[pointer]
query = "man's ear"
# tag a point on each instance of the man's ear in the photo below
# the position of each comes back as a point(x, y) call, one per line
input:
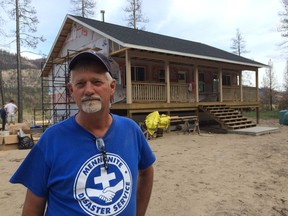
point(70, 89)
point(113, 87)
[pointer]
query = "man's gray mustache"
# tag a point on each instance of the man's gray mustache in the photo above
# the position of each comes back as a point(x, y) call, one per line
point(84, 99)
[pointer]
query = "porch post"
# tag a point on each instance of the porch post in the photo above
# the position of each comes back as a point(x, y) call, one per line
point(257, 84)
point(128, 78)
point(220, 85)
point(257, 95)
point(167, 81)
point(196, 80)
point(241, 86)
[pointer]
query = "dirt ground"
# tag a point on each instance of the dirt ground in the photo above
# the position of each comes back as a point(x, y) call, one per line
point(199, 175)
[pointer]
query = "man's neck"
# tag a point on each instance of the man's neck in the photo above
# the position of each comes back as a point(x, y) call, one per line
point(96, 123)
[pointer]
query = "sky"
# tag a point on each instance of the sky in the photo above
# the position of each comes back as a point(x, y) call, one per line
point(206, 21)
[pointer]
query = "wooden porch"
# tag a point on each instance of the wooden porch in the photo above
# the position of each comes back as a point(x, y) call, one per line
point(148, 97)
point(130, 110)
point(171, 83)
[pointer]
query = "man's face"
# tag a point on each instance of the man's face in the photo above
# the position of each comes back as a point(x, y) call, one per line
point(91, 89)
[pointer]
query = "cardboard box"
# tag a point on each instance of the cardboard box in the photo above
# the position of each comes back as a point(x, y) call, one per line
point(13, 129)
point(10, 142)
point(10, 139)
point(4, 133)
point(8, 147)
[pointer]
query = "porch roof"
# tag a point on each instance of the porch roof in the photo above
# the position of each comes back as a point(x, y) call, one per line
point(143, 40)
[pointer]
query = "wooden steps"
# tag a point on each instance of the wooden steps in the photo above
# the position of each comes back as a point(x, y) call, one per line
point(227, 117)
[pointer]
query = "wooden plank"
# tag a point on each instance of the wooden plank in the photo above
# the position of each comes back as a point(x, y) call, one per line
point(238, 123)
point(242, 125)
point(183, 118)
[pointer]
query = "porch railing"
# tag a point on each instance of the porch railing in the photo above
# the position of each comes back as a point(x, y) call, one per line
point(149, 92)
point(179, 93)
point(249, 94)
point(232, 93)
point(156, 92)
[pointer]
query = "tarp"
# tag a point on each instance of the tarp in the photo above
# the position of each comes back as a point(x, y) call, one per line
point(154, 120)
point(285, 118)
point(282, 119)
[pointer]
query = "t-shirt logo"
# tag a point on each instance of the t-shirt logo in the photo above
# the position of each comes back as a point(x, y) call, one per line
point(103, 192)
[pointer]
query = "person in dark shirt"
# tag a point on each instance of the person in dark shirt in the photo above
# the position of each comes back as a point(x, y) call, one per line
point(3, 117)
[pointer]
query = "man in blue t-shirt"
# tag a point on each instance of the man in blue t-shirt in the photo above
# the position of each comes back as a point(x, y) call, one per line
point(93, 163)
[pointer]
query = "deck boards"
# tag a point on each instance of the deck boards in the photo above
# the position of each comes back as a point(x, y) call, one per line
point(255, 131)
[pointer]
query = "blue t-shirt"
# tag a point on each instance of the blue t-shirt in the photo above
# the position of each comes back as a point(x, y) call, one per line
point(67, 168)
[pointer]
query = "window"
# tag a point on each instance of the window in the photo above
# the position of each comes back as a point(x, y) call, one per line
point(137, 73)
point(226, 80)
point(162, 75)
point(201, 83)
point(182, 76)
point(215, 81)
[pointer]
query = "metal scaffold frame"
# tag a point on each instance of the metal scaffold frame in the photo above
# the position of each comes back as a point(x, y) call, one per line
point(56, 101)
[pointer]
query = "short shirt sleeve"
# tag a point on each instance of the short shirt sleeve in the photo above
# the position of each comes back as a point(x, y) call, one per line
point(33, 172)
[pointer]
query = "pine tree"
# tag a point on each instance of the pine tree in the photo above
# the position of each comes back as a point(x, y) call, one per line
point(284, 20)
point(84, 8)
point(135, 16)
point(283, 103)
point(238, 44)
point(238, 47)
point(269, 87)
point(26, 22)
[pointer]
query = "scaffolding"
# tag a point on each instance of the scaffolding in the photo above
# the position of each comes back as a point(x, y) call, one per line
point(56, 101)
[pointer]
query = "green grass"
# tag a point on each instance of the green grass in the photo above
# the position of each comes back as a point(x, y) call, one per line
point(263, 114)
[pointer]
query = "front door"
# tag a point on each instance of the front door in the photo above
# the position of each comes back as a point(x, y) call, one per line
point(215, 81)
